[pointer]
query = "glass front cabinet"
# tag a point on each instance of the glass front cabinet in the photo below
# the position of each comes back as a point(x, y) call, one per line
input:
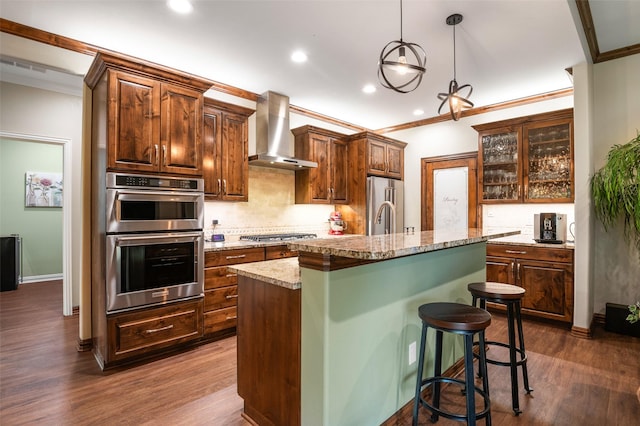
point(528, 159)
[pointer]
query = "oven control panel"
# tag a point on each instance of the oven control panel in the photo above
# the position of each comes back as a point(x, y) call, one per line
point(118, 180)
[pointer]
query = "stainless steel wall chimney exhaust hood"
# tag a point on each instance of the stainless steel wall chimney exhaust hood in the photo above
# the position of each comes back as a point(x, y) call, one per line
point(273, 136)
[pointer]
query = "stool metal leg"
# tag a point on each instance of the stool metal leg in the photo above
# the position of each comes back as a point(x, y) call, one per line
point(523, 356)
point(512, 357)
point(469, 380)
point(416, 404)
point(482, 367)
point(437, 372)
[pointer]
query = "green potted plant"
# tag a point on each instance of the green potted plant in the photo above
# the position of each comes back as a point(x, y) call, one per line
point(615, 189)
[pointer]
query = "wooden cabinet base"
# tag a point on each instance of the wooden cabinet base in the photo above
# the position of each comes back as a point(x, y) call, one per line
point(269, 352)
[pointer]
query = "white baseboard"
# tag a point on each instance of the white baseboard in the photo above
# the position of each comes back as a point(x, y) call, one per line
point(40, 278)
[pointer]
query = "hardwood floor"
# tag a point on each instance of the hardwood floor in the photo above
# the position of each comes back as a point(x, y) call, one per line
point(45, 381)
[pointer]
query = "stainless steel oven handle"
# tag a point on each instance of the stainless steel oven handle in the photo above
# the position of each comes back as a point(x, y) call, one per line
point(123, 195)
point(155, 330)
point(121, 240)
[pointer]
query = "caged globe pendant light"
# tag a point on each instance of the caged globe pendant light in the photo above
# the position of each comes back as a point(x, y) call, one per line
point(401, 64)
point(455, 98)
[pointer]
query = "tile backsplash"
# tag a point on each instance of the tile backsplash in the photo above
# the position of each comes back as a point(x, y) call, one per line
point(271, 209)
point(520, 216)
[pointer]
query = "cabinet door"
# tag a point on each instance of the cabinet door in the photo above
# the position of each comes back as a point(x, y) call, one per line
point(339, 171)
point(500, 174)
point(548, 162)
point(235, 160)
point(395, 161)
point(181, 131)
point(320, 148)
point(377, 158)
point(211, 141)
point(549, 289)
point(133, 123)
point(500, 270)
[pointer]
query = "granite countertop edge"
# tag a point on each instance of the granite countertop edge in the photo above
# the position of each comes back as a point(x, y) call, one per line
point(280, 272)
point(384, 247)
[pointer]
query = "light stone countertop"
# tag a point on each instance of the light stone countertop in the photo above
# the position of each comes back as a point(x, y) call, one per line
point(381, 247)
point(280, 272)
point(528, 240)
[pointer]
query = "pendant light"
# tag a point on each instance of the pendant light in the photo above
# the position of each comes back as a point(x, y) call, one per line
point(401, 64)
point(455, 98)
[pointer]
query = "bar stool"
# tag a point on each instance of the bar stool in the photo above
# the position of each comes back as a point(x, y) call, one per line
point(509, 295)
point(459, 319)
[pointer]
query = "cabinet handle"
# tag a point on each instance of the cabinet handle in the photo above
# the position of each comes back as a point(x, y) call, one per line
point(157, 155)
point(518, 272)
point(224, 185)
point(513, 268)
point(231, 296)
point(231, 275)
point(239, 256)
point(219, 186)
point(155, 330)
point(515, 251)
point(233, 317)
point(164, 155)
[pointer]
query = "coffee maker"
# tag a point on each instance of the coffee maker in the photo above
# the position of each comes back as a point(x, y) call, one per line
point(550, 228)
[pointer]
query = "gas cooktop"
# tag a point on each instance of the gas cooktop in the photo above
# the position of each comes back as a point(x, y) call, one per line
point(277, 237)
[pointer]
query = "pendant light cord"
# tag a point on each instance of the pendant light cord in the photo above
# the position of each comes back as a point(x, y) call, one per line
point(400, 20)
point(454, 52)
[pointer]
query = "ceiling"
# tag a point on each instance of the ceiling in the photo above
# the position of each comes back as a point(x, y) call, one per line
point(507, 49)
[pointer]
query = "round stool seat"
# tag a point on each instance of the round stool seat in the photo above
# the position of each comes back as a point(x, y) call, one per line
point(454, 317)
point(496, 291)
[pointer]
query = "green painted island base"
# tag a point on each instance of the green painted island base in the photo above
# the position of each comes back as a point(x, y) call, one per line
point(359, 323)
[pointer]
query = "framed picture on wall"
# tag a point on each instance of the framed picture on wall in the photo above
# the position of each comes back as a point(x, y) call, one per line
point(43, 189)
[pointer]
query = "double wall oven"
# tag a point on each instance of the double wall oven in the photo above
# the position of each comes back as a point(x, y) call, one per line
point(154, 244)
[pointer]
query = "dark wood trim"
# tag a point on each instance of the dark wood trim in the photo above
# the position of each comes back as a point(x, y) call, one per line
point(599, 319)
point(584, 333)
point(84, 345)
point(561, 114)
point(326, 263)
point(327, 119)
point(481, 110)
point(227, 107)
point(45, 37)
point(586, 18)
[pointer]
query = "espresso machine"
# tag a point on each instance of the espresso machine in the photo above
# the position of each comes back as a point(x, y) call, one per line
point(550, 228)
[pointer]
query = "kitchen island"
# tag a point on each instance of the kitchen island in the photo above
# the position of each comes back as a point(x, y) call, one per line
point(333, 340)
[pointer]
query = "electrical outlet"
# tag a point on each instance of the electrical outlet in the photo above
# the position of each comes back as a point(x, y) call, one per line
point(412, 353)
point(214, 222)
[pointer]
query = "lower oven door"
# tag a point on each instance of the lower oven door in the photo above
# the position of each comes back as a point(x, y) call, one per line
point(153, 269)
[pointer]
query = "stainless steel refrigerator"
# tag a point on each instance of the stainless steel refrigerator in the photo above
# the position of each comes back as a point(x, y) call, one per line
point(385, 198)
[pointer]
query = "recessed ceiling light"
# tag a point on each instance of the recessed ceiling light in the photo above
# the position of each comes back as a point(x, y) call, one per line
point(299, 56)
point(180, 6)
point(369, 88)
point(418, 112)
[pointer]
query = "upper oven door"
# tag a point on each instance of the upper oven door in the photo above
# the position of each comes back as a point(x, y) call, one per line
point(146, 210)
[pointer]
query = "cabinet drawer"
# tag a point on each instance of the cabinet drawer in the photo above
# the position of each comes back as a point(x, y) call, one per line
point(279, 252)
point(219, 276)
point(220, 319)
point(232, 257)
point(529, 252)
point(136, 333)
point(220, 298)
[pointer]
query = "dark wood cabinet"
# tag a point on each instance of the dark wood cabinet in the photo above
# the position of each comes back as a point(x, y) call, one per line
point(527, 159)
point(148, 118)
point(221, 287)
point(545, 273)
point(225, 145)
point(385, 159)
point(145, 332)
point(327, 183)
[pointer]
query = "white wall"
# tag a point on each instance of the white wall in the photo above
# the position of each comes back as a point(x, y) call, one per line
point(37, 112)
point(616, 116)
